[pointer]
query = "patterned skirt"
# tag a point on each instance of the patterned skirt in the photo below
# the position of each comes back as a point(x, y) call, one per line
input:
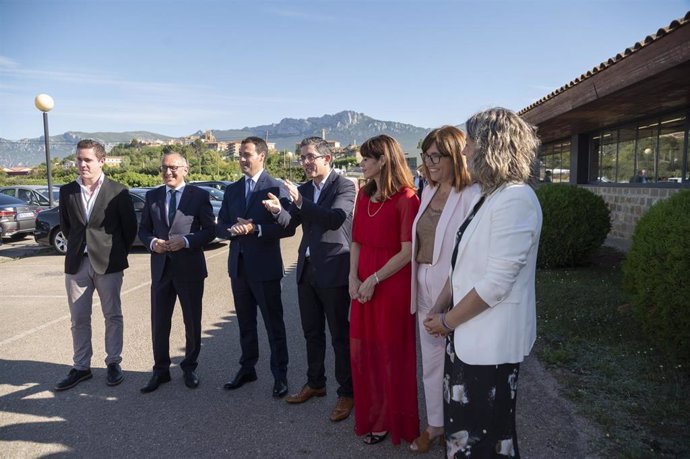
point(479, 408)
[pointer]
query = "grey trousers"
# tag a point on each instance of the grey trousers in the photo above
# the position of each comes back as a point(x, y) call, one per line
point(80, 288)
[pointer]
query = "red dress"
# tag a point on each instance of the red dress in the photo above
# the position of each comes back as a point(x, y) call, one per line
point(382, 330)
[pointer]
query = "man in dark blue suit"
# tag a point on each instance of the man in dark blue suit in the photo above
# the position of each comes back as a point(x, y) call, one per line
point(255, 264)
point(323, 206)
point(177, 222)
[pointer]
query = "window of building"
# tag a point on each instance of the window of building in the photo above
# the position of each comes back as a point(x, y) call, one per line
point(609, 156)
point(671, 148)
point(554, 162)
point(648, 152)
point(626, 155)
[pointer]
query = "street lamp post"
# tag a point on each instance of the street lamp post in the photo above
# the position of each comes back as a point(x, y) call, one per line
point(45, 104)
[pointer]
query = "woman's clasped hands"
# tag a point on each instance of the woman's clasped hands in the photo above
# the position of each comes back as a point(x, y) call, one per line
point(362, 291)
point(434, 326)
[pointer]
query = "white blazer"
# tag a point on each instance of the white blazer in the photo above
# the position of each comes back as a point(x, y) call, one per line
point(497, 257)
point(457, 206)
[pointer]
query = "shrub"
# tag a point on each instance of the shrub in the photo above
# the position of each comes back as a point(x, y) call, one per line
point(655, 274)
point(135, 179)
point(576, 222)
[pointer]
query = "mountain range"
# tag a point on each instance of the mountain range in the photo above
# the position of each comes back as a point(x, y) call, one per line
point(347, 127)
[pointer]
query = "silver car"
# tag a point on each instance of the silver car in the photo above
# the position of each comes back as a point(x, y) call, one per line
point(32, 194)
point(17, 218)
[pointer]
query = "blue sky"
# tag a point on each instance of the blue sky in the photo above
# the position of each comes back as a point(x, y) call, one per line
point(177, 66)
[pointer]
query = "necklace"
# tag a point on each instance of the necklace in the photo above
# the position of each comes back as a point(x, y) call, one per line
point(377, 210)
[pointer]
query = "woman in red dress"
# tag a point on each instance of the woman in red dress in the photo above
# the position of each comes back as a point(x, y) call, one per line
point(382, 331)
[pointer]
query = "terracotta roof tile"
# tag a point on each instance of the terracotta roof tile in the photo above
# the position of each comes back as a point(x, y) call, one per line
point(675, 24)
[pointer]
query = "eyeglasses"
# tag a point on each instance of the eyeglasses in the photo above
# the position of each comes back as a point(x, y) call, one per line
point(434, 159)
point(309, 158)
point(170, 168)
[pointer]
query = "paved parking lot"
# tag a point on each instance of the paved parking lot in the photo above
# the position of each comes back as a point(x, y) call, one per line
point(94, 420)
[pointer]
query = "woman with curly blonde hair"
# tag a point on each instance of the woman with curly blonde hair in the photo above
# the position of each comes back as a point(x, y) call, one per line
point(491, 325)
point(382, 331)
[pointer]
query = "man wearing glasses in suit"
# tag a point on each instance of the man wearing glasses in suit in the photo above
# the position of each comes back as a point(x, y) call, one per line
point(176, 224)
point(323, 206)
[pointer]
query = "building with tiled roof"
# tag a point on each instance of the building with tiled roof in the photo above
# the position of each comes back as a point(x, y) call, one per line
point(621, 128)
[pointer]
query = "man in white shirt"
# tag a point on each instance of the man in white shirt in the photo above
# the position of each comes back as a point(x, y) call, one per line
point(97, 218)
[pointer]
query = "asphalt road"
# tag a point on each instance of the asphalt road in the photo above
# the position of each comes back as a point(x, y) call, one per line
point(94, 420)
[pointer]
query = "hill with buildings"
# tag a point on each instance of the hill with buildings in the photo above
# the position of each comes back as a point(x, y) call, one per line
point(346, 128)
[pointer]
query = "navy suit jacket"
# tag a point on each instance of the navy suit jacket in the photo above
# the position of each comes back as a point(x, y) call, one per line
point(326, 230)
point(261, 255)
point(194, 220)
point(108, 234)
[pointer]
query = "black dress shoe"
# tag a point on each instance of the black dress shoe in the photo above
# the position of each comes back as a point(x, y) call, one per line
point(280, 388)
point(241, 378)
point(191, 379)
point(115, 374)
point(155, 381)
point(73, 378)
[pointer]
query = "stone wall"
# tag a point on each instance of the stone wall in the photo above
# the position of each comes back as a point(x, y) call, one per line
point(628, 204)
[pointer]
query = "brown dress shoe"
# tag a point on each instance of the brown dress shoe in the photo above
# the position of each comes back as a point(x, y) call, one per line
point(343, 408)
point(305, 394)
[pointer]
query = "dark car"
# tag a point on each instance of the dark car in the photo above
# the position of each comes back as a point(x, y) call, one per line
point(17, 218)
point(217, 184)
point(48, 232)
point(216, 197)
point(48, 222)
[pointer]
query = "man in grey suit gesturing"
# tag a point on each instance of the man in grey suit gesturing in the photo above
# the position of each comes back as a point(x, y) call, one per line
point(323, 206)
point(176, 224)
point(97, 218)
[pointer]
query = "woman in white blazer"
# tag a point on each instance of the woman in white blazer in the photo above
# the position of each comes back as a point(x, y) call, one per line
point(445, 203)
point(492, 324)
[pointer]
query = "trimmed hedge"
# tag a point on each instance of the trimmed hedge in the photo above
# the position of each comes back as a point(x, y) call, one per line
point(576, 222)
point(656, 274)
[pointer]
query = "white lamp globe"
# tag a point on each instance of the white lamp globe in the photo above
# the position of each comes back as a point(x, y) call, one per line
point(44, 102)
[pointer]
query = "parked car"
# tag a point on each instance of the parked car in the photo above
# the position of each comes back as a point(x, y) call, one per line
point(17, 218)
point(216, 196)
point(32, 194)
point(48, 232)
point(48, 222)
point(217, 184)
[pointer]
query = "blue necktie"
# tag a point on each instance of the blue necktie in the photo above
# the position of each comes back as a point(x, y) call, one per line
point(250, 188)
point(172, 207)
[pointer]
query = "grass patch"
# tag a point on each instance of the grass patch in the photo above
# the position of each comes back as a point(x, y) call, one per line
point(588, 338)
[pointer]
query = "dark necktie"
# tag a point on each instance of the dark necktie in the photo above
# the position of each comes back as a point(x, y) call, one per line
point(250, 188)
point(172, 207)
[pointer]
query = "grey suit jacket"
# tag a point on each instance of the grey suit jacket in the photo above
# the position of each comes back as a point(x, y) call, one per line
point(109, 233)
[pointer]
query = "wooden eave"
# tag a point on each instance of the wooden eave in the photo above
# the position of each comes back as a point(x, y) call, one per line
point(650, 78)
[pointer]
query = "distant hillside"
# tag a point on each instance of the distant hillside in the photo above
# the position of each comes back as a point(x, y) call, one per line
point(30, 152)
point(347, 127)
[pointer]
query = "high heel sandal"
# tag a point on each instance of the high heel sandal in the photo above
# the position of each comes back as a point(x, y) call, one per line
point(424, 442)
point(373, 438)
